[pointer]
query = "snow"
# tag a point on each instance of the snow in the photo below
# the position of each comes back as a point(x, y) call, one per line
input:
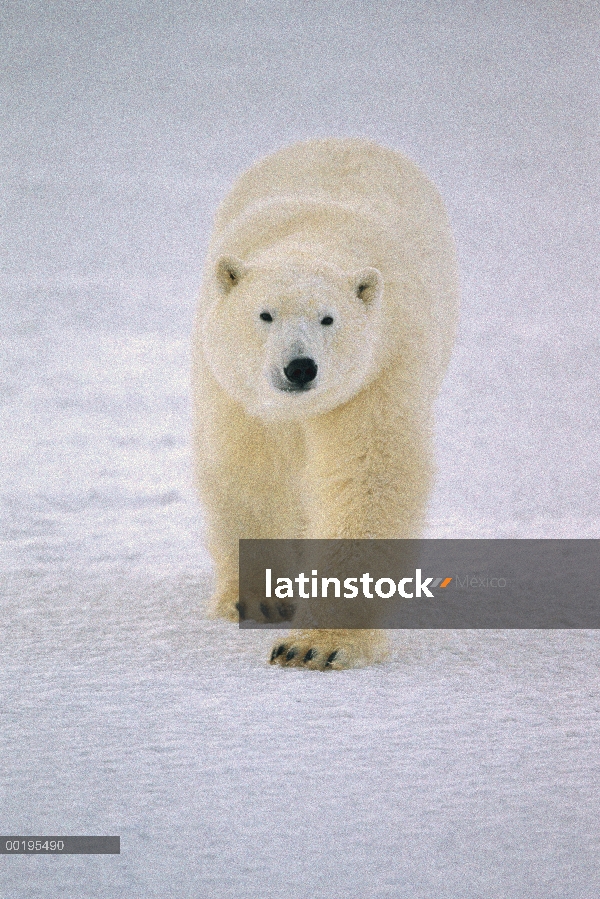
point(465, 766)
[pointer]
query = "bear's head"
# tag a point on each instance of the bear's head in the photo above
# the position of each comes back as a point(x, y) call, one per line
point(291, 338)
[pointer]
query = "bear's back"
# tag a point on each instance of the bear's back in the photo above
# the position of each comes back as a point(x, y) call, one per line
point(351, 171)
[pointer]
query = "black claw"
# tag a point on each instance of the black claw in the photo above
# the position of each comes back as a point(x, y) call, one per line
point(266, 610)
point(286, 611)
point(290, 654)
point(331, 657)
point(241, 607)
point(310, 655)
point(277, 651)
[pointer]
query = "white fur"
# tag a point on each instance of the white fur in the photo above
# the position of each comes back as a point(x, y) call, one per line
point(353, 231)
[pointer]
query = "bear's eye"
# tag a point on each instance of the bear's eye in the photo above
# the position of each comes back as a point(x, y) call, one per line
point(266, 316)
point(327, 320)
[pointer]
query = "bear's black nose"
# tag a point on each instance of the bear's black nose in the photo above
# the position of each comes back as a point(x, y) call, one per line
point(301, 371)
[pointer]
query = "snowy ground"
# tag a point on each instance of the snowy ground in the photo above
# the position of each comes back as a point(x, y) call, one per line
point(467, 766)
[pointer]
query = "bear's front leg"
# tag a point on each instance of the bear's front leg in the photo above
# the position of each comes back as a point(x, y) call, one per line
point(369, 470)
point(368, 476)
point(248, 486)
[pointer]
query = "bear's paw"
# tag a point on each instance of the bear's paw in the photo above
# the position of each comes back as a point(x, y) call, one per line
point(265, 611)
point(328, 650)
point(227, 603)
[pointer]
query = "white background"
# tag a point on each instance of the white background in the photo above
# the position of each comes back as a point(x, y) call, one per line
point(467, 766)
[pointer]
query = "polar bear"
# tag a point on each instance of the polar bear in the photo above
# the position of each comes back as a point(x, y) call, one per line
point(326, 320)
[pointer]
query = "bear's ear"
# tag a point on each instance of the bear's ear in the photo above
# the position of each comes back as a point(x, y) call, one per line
point(368, 285)
point(229, 271)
